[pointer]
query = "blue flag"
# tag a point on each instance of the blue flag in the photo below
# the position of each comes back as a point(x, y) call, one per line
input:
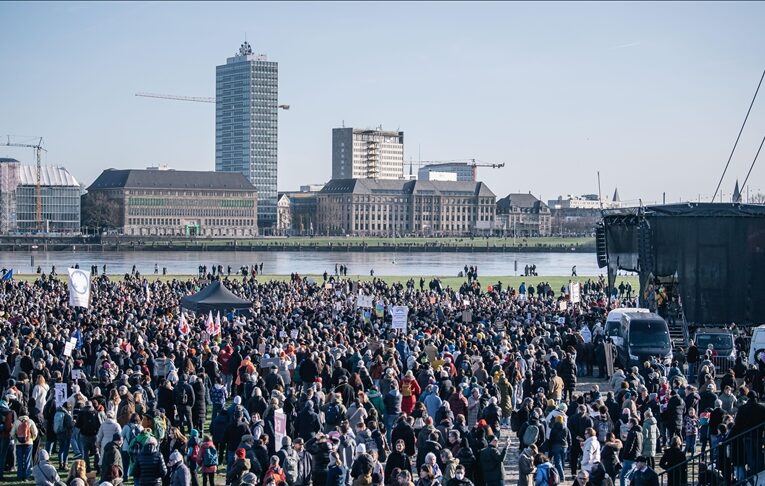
point(78, 335)
point(8, 275)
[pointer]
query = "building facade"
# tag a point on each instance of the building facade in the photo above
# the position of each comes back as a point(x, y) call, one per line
point(180, 203)
point(246, 125)
point(586, 201)
point(367, 154)
point(522, 215)
point(297, 212)
point(368, 207)
point(463, 171)
point(59, 198)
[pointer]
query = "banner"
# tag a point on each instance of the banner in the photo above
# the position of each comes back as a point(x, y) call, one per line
point(367, 315)
point(364, 301)
point(280, 428)
point(400, 315)
point(210, 325)
point(61, 395)
point(79, 288)
point(575, 293)
point(380, 309)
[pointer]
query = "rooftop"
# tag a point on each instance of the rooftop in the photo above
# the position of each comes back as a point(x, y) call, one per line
point(398, 186)
point(49, 176)
point(171, 179)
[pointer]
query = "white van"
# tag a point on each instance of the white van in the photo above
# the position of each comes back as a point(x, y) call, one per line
point(613, 327)
point(758, 342)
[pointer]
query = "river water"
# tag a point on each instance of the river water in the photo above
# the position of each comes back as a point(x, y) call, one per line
point(284, 263)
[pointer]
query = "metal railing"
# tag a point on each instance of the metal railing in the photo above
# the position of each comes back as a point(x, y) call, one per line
point(731, 462)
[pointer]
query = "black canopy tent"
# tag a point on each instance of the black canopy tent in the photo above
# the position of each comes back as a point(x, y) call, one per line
point(215, 297)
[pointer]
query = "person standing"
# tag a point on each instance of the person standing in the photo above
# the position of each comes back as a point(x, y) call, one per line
point(44, 473)
point(643, 475)
point(8, 419)
point(491, 460)
point(24, 433)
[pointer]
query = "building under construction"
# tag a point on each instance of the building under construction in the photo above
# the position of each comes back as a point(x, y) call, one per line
point(59, 195)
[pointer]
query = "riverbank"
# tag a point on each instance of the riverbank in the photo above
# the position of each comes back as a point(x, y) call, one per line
point(556, 282)
point(355, 244)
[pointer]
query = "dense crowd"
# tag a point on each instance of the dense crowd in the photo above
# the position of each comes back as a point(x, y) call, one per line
point(307, 389)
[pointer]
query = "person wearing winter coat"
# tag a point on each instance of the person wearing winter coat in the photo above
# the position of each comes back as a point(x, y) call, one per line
point(491, 461)
point(590, 450)
point(559, 442)
point(609, 455)
point(179, 472)
point(633, 445)
point(274, 472)
point(398, 458)
point(44, 473)
point(289, 460)
point(106, 432)
point(602, 424)
point(543, 469)
point(674, 455)
point(459, 479)
point(403, 431)
point(307, 424)
point(240, 466)
point(526, 467)
point(112, 469)
point(208, 470)
point(150, 466)
point(336, 473)
point(650, 437)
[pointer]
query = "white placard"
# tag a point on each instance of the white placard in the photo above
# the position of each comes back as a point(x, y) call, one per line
point(561, 320)
point(280, 428)
point(77, 374)
point(575, 293)
point(79, 288)
point(586, 334)
point(294, 334)
point(364, 301)
point(61, 394)
point(68, 347)
point(400, 315)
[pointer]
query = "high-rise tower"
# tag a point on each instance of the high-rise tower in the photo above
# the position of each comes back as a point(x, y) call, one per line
point(246, 128)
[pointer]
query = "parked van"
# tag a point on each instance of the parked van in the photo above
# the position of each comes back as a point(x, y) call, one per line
point(757, 344)
point(644, 335)
point(613, 327)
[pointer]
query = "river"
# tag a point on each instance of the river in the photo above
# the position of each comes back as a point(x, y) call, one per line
point(308, 263)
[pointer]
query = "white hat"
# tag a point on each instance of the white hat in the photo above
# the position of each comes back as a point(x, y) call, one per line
point(361, 449)
point(175, 458)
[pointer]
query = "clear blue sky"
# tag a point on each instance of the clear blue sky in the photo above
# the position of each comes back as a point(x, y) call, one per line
point(650, 94)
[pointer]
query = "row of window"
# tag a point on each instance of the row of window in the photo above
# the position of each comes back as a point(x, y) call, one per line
point(176, 222)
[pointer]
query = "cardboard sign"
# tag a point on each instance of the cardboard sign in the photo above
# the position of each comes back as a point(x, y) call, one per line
point(61, 394)
point(400, 314)
point(68, 347)
point(576, 295)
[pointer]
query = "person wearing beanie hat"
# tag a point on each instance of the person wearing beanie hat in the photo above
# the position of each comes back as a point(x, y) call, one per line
point(240, 466)
point(179, 472)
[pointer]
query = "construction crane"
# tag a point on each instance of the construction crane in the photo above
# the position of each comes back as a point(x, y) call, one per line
point(38, 190)
point(196, 99)
point(472, 163)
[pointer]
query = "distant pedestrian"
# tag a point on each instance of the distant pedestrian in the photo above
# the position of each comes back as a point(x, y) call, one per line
point(573, 271)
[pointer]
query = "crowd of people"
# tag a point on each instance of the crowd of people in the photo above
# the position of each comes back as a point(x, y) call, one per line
point(307, 389)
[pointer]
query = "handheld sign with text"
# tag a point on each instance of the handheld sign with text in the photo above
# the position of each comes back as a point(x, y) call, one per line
point(400, 314)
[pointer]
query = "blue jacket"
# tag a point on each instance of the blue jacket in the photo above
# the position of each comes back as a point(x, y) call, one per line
point(337, 476)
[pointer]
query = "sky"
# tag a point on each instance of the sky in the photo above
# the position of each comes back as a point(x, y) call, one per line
point(651, 95)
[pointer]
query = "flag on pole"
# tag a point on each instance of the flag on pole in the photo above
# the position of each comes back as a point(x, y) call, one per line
point(217, 324)
point(78, 336)
point(183, 326)
point(210, 325)
point(8, 275)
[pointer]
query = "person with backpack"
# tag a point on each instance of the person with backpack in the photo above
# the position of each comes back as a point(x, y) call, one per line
point(88, 424)
point(24, 433)
point(7, 419)
point(184, 403)
point(289, 460)
point(129, 432)
point(63, 424)
point(208, 461)
point(334, 412)
point(546, 474)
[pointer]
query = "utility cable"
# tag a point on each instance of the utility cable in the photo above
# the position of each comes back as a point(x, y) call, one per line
point(739, 136)
point(753, 162)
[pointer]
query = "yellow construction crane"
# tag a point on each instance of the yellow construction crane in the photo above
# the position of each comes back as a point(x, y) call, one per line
point(38, 190)
point(472, 163)
point(196, 99)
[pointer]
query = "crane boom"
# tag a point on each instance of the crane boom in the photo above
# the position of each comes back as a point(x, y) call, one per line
point(38, 189)
point(197, 99)
point(472, 163)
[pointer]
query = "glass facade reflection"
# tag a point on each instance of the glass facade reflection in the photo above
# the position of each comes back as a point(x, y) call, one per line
point(246, 133)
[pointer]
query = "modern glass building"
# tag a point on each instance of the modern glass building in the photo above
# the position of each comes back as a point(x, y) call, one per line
point(246, 133)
